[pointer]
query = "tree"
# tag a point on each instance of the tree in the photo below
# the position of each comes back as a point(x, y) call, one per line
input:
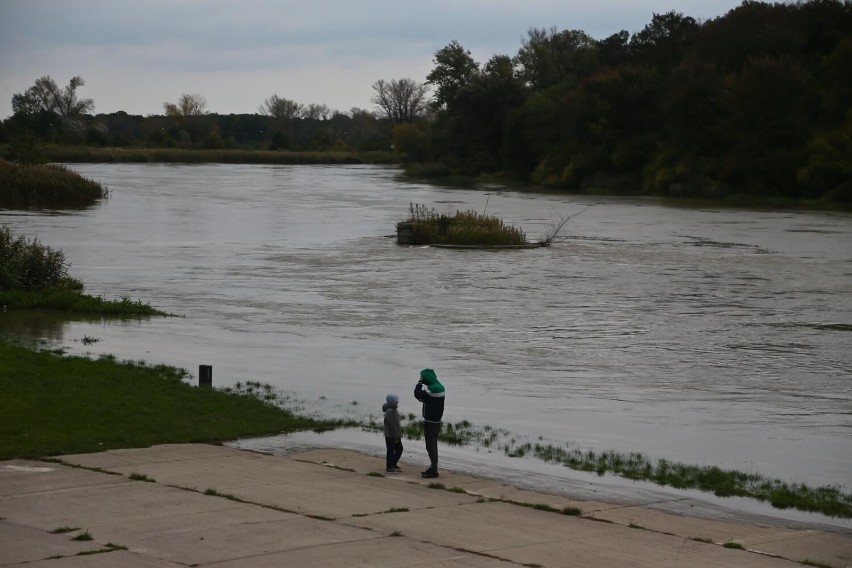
point(400, 100)
point(317, 112)
point(187, 106)
point(549, 57)
point(46, 95)
point(278, 107)
point(663, 42)
point(454, 68)
point(188, 113)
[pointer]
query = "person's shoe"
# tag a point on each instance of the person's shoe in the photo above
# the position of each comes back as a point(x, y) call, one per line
point(429, 474)
point(397, 469)
point(391, 470)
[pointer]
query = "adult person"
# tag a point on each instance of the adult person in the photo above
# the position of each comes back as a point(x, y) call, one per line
point(431, 393)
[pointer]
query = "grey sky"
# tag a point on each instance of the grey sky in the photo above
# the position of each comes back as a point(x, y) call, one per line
point(134, 55)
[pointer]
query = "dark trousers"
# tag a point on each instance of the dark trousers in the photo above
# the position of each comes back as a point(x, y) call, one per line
point(430, 433)
point(394, 451)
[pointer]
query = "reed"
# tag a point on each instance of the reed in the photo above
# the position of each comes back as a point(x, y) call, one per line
point(46, 186)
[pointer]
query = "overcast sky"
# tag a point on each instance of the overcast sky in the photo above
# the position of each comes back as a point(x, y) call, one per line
point(134, 55)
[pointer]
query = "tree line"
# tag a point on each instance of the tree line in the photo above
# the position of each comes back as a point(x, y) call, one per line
point(755, 102)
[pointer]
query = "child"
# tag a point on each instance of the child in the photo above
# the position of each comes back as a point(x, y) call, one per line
point(393, 433)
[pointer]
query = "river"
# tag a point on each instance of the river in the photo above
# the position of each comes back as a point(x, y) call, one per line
point(698, 334)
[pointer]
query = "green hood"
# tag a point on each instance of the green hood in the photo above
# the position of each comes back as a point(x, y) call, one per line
point(430, 380)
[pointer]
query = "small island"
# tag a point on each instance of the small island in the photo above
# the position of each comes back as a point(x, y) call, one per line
point(465, 229)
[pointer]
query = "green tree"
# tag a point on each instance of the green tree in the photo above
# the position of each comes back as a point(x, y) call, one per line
point(663, 42)
point(454, 69)
point(549, 57)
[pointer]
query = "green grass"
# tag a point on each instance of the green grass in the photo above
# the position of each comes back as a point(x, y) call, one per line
point(77, 302)
point(54, 405)
point(84, 536)
point(64, 529)
point(46, 186)
point(140, 477)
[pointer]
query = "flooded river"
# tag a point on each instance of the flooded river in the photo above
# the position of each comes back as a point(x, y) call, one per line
point(702, 335)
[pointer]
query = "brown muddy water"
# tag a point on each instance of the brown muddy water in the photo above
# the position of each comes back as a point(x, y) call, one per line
point(701, 335)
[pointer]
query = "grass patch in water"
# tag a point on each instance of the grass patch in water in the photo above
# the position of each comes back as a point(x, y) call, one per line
point(464, 228)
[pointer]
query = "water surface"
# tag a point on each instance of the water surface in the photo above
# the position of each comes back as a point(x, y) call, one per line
point(702, 335)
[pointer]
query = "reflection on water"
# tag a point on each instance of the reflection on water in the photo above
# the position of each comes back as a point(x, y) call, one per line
point(704, 336)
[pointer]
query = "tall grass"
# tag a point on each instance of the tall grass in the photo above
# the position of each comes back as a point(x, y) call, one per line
point(45, 186)
point(463, 228)
point(199, 156)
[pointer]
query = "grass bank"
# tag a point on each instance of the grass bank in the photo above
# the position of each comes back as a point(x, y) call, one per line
point(77, 302)
point(54, 405)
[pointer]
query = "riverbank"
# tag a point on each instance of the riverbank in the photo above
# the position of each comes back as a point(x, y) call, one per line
point(198, 504)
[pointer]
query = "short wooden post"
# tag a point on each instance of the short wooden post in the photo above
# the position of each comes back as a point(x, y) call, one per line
point(205, 376)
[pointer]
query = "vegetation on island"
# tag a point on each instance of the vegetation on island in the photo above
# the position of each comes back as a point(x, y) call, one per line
point(464, 228)
point(681, 108)
point(25, 186)
point(35, 276)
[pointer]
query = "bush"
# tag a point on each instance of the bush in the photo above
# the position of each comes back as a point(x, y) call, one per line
point(29, 265)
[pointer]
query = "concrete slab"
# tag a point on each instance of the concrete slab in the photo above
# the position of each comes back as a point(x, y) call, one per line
point(388, 552)
point(321, 508)
point(21, 544)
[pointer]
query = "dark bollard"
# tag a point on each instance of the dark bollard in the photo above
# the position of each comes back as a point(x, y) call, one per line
point(205, 376)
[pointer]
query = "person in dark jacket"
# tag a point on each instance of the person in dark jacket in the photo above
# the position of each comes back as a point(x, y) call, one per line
point(431, 393)
point(393, 433)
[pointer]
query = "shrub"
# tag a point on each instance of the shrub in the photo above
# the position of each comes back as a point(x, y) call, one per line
point(29, 265)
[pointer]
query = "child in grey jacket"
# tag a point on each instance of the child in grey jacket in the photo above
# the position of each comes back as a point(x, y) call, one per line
point(393, 433)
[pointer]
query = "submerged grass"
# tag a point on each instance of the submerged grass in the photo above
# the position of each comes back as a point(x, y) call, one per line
point(829, 500)
point(53, 405)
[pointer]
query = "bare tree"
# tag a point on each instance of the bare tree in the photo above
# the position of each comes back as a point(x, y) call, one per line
point(400, 100)
point(278, 107)
point(187, 105)
point(46, 95)
point(317, 112)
